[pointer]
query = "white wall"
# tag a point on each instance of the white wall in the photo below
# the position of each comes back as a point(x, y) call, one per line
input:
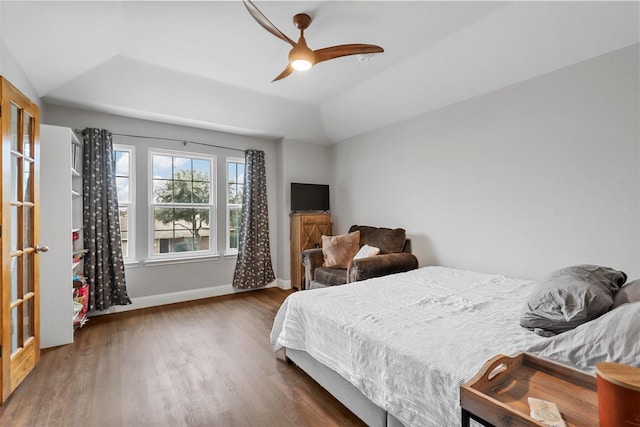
point(521, 181)
point(298, 162)
point(187, 280)
point(13, 72)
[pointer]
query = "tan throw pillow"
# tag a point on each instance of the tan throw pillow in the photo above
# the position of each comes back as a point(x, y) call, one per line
point(338, 251)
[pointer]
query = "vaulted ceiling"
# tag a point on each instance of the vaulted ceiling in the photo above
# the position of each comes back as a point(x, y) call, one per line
point(209, 64)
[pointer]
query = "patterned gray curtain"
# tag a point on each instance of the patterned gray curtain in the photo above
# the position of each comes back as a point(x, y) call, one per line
point(253, 268)
point(103, 264)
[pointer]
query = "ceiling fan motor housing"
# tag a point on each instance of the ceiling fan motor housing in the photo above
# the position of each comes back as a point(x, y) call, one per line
point(302, 52)
point(302, 21)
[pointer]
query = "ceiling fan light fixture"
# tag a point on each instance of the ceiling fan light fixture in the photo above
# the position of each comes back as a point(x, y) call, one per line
point(301, 57)
point(301, 64)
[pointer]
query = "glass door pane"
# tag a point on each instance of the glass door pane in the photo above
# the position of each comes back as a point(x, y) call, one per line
point(14, 278)
point(14, 176)
point(14, 329)
point(13, 241)
point(27, 171)
point(27, 268)
point(13, 112)
point(27, 315)
point(26, 135)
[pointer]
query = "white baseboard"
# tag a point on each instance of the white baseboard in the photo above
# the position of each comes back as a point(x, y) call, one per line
point(283, 284)
point(181, 296)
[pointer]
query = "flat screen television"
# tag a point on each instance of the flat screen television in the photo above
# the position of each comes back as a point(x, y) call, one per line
point(309, 197)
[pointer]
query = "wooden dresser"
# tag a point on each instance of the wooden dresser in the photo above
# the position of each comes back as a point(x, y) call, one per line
point(306, 233)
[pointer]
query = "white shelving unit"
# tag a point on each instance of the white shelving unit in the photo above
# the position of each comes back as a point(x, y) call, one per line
point(60, 217)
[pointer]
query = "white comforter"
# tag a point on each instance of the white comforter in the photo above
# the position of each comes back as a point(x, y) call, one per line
point(408, 341)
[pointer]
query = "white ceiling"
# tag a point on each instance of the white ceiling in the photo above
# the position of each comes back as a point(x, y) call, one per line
point(209, 64)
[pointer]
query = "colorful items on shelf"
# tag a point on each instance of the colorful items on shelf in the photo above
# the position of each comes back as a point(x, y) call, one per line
point(80, 300)
point(79, 254)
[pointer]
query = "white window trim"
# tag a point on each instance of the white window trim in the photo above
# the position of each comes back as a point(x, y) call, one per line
point(229, 252)
point(153, 258)
point(130, 259)
point(181, 260)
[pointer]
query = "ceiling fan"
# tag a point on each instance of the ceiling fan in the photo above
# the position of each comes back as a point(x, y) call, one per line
point(301, 57)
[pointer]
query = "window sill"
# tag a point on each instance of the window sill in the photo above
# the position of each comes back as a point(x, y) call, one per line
point(184, 260)
point(131, 264)
point(231, 255)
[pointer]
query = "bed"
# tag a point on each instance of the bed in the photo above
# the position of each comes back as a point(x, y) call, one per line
point(395, 349)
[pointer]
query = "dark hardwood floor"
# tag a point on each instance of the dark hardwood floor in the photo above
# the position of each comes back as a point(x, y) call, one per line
point(201, 363)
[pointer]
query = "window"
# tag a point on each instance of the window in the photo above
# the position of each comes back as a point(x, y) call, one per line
point(235, 189)
point(182, 211)
point(123, 158)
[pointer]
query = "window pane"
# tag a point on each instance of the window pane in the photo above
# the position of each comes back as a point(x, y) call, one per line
point(235, 194)
point(231, 193)
point(122, 163)
point(164, 220)
point(240, 194)
point(182, 168)
point(241, 173)
point(163, 230)
point(181, 230)
point(122, 185)
point(162, 166)
point(235, 215)
point(184, 222)
point(231, 171)
point(235, 188)
point(162, 191)
point(201, 170)
point(124, 159)
point(124, 230)
point(202, 230)
point(201, 191)
point(182, 191)
point(183, 244)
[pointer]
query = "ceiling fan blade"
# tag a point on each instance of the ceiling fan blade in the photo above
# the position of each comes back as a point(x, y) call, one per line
point(266, 24)
point(344, 50)
point(284, 74)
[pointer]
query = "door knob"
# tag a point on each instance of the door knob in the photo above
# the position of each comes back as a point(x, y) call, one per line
point(42, 248)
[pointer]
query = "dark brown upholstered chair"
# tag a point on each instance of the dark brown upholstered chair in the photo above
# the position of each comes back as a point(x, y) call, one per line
point(395, 257)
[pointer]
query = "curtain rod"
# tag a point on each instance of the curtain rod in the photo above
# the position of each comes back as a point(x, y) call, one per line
point(184, 141)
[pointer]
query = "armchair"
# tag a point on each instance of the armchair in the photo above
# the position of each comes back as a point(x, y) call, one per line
point(395, 257)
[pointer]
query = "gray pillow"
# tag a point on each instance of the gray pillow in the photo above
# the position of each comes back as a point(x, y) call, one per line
point(569, 297)
point(628, 293)
point(612, 337)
